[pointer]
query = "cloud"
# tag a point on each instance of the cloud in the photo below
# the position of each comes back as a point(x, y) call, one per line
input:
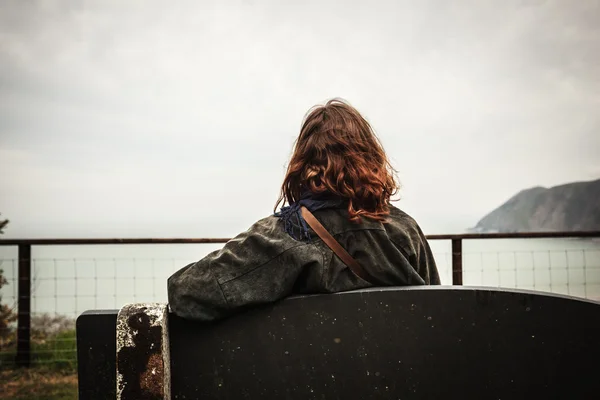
point(119, 110)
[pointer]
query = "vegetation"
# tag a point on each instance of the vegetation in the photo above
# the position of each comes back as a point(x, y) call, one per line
point(37, 383)
point(7, 314)
point(53, 375)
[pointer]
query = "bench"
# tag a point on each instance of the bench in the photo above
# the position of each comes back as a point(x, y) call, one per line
point(385, 343)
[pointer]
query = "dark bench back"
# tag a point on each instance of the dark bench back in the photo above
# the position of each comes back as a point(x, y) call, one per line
point(391, 343)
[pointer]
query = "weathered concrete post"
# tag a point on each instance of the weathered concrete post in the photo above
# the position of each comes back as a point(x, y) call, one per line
point(143, 362)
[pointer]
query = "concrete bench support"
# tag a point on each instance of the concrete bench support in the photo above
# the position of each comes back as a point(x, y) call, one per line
point(143, 362)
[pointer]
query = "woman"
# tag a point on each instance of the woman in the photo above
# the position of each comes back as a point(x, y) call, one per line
point(339, 172)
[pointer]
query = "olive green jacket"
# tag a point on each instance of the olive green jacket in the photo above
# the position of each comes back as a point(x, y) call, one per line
point(264, 264)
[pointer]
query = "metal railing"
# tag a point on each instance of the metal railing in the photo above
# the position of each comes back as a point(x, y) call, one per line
point(24, 246)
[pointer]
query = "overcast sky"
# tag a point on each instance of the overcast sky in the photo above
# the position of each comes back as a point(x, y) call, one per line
point(146, 118)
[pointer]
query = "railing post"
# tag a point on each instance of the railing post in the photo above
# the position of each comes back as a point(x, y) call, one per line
point(457, 274)
point(24, 303)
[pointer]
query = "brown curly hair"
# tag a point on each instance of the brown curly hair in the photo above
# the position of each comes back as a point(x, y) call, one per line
point(337, 152)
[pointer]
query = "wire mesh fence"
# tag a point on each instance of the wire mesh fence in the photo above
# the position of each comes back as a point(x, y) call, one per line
point(569, 272)
point(67, 280)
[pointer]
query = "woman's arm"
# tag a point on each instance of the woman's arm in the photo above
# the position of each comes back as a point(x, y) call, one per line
point(407, 235)
point(427, 268)
point(259, 266)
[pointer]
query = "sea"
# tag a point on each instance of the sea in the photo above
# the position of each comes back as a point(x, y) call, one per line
point(69, 280)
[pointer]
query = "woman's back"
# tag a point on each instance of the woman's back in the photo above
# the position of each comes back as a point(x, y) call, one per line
point(339, 172)
point(265, 264)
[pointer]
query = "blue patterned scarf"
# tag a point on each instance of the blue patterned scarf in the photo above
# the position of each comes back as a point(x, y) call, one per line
point(293, 222)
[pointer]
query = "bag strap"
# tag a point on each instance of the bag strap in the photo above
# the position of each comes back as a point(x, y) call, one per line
point(334, 245)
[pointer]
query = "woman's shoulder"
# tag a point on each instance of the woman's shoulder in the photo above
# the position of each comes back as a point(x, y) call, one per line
point(267, 222)
point(272, 231)
point(398, 215)
point(400, 224)
point(270, 226)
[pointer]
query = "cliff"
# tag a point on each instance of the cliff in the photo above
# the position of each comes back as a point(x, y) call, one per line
point(570, 207)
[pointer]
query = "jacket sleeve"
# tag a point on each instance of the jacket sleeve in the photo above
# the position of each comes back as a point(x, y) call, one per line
point(259, 266)
point(194, 292)
point(427, 268)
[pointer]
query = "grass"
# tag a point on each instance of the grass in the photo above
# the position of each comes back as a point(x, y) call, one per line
point(52, 376)
point(37, 383)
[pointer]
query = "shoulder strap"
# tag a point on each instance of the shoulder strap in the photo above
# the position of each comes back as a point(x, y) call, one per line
point(334, 245)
